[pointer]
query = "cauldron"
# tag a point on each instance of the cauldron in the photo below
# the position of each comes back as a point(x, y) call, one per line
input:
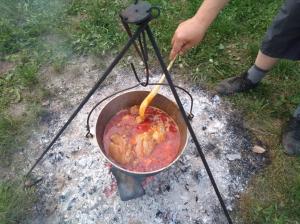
point(129, 182)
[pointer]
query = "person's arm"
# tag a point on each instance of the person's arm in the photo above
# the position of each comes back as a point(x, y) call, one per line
point(191, 32)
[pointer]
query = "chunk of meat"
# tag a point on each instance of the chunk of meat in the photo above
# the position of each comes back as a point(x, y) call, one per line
point(144, 145)
point(119, 150)
point(146, 142)
point(134, 110)
point(139, 146)
point(159, 133)
point(139, 119)
point(127, 119)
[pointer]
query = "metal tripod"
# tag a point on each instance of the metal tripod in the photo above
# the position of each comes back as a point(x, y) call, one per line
point(140, 14)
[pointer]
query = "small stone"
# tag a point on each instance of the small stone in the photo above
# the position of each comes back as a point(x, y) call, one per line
point(216, 99)
point(232, 157)
point(62, 198)
point(28, 183)
point(56, 157)
point(210, 147)
point(46, 103)
point(168, 187)
point(158, 214)
point(197, 176)
point(185, 169)
point(70, 206)
point(50, 207)
point(221, 47)
point(93, 190)
point(187, 187)
point(31, 182)
point(88, 179)
point(60, 182)
point(82, 163)
point(258, 149)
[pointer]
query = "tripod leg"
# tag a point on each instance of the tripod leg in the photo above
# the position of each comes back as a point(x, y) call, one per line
point(92, 91)
point(169, 79)
point(126, 27)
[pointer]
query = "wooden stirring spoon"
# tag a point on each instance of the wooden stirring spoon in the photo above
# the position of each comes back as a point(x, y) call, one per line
point(146, 102)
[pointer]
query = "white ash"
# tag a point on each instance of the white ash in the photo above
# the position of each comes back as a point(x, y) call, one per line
point(79, 188)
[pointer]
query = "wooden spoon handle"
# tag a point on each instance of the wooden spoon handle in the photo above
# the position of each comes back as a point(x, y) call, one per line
point(153, 92)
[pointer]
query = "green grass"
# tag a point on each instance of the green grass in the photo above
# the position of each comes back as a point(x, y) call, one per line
point(15, 202)
point(36, 33)
point(25, 27)
point(32, 34)
point(96, 26)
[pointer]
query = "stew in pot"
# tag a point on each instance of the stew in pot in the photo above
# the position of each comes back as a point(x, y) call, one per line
point(142, 146)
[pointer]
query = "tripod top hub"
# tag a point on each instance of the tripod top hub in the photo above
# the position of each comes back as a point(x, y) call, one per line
point(139, 12)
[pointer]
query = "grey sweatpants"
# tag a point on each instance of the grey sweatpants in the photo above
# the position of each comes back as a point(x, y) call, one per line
point(282, 39)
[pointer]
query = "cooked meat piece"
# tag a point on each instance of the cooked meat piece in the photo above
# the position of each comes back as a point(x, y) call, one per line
point(126, 117)
point(139, 151)
point(148, 144)
point(119, 150)
point(129, 155)
point(144, 144)
point(159, 133)
point(117, 139)
point(134, 110)
point(139, 119)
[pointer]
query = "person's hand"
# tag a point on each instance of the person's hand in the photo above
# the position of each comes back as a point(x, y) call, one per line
point(188, 34)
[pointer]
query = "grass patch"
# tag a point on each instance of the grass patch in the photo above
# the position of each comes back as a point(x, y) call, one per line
point(14, 131)
point(272, 197)
point(32, 34)
point(15, 202)
point(97, 26)
point(277, 200)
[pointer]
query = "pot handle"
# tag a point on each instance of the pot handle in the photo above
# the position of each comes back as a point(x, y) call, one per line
point(190, 114)
point(89, 134)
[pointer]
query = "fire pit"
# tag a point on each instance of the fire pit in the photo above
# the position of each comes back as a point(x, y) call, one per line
point(78, 186)
point(85, 173)
point(129, 182)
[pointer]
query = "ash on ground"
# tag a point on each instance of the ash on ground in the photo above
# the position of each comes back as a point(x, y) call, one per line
point(78, 187)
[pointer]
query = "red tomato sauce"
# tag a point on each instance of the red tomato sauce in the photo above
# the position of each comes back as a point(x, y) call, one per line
point(142, 146)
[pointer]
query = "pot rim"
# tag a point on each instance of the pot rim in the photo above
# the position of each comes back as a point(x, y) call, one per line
point(139, 172)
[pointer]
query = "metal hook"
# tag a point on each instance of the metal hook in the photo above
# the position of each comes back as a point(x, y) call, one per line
point(137, 77)
point(154, 12)
point(88, 134)
point(190, 116)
